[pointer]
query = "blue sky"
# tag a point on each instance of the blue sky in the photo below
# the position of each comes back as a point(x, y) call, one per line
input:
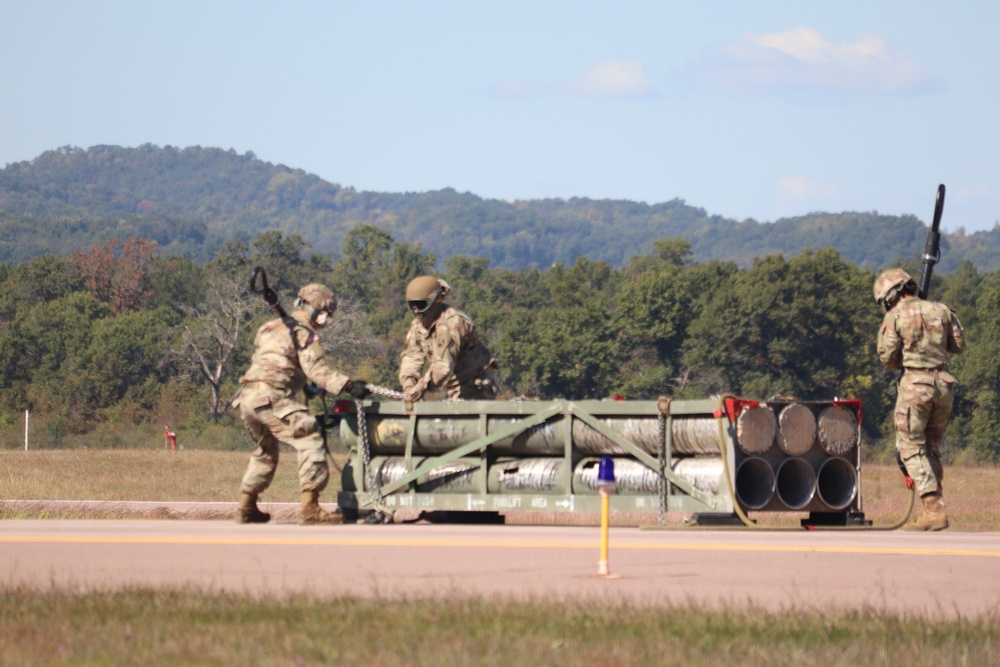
point(747, 109)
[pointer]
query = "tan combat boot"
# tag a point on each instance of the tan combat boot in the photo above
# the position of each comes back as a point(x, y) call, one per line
point(248, 511)
point(933, 516)
point(311, 513)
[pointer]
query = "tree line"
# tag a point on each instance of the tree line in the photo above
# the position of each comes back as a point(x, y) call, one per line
point(121, 335)
point(192, 201)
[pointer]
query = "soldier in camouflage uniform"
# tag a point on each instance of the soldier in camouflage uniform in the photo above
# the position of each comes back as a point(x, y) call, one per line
point(917, 338)
point(445, 341)
point(287, 355)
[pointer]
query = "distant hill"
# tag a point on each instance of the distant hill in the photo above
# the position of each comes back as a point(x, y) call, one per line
point(192, 200)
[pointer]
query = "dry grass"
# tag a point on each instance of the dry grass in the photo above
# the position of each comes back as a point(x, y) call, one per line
point(116, 474)
point(971, 492)
point(144, 627)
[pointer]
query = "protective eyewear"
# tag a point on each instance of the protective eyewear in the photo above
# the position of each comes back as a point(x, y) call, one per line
point(419, 305)
point(423, 305)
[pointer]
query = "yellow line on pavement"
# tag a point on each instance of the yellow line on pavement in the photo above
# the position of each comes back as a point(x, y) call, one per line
point(495, 544)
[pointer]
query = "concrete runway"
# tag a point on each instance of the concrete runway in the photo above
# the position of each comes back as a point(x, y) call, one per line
point(936, 574)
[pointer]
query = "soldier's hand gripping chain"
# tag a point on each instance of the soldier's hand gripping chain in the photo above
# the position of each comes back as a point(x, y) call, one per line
point(358, 389)
point(417, 391)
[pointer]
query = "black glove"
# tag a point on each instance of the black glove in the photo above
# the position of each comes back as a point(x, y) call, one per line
point(358, 389)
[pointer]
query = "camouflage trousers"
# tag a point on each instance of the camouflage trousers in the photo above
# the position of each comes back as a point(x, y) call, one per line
point(923, 410)
point(271, 420)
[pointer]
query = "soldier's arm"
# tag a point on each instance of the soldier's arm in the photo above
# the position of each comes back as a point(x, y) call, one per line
point(890, 345)
point(411, 363)
point(956, 334)
point(315, 366)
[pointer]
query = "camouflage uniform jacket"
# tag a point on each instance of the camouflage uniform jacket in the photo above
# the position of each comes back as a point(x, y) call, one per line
point(450, 348)
point(920, 335)
point(285, 363)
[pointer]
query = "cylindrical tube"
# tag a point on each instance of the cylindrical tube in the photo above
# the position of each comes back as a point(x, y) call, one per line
point(690, 435)
point(461, 476)
point(631, 477)
point(538, 476)
point(635, 478)
point(795, 483)
point(755, 430)
point(838, 430)
point(695, 436)
point(642, 432)
point(545, 439)
point(705, 473)
point(796, 429)
point(545, 475)
point(754, 483)
point(435, 435)
point(837, 483)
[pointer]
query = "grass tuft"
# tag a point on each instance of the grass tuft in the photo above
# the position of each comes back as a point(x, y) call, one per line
point(179, 627)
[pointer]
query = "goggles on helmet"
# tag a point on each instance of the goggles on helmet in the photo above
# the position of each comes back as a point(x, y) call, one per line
point(423, 305)
point(419, 305)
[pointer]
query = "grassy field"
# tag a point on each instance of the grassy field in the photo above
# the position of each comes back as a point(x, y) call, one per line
point(180, 628)
point(971, 493)
point(135, 474)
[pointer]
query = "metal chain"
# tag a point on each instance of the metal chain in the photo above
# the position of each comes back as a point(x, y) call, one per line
point(381, 514)
point(385, 392)
point(662, 463)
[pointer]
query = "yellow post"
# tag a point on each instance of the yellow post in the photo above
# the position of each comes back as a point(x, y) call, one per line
point(605, 486)
point(602, 566)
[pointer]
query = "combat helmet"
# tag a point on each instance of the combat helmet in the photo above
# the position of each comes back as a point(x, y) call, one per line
point(318, 300)
point(890, 284)
point(424, 291)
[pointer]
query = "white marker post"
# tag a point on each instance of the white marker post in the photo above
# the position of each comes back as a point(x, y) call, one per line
point(27, 418)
